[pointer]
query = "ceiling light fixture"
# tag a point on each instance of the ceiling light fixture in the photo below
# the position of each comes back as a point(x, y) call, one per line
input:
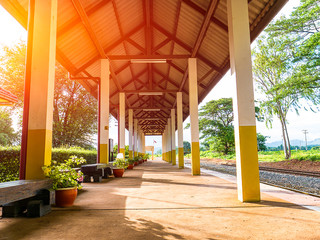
point(150, 93)
point(151, 110)
point(148, 60)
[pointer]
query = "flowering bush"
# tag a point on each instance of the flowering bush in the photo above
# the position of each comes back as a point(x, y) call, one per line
point(63, 174)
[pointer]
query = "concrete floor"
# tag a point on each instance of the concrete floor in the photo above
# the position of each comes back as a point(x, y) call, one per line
point(159, 201)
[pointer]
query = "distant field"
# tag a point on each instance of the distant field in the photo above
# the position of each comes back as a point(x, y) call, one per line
point(268, 156)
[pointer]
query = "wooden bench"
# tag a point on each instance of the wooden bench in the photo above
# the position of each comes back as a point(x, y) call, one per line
point(32, 197)
point(97, 171)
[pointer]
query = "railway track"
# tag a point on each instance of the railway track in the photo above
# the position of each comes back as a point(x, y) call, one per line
point(285, 171)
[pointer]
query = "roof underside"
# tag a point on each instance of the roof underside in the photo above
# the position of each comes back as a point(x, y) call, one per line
point(121, 30)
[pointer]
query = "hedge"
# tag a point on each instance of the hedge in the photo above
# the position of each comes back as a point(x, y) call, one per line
point(10, 159)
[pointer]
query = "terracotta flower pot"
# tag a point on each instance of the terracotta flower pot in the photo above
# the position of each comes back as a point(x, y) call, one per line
point(130, 166)
point(66, 196)
point(118, 172)
point(135, 164)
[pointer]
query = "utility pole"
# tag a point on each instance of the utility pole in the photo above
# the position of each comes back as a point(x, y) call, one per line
point(305, 136)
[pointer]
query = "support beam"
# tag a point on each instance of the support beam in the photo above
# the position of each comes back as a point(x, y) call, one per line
point(169, 141)
point(39, 85)
point(103, 148)
point(122, 106)
point(194, 121)
point(243, 102)
point(130, 133)
point(180, 130)
point(173, 136)
point(135, 144)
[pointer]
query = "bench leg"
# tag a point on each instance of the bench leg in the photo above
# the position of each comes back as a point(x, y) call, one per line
point(86, 178)
point(14, 209)
point(97, 178)
point(36, 208)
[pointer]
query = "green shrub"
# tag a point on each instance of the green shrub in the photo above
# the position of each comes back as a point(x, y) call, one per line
point(10, 159)
point(62, 154)
point(9, 163)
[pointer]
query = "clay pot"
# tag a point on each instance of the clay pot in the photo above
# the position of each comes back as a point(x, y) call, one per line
point(118, 172)
point(130, 166)
point(66, 196)
point(135, 164)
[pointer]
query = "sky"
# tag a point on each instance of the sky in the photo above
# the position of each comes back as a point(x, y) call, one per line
point(11, 32)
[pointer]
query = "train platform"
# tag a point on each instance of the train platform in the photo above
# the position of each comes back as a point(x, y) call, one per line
point(159, 201)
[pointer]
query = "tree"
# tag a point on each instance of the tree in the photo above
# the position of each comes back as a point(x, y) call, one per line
point(7, 134)
point(271, 67)
point(186, 147)
point(302, 31)
point(74, 114)
point(216, 125)
point(261, 142)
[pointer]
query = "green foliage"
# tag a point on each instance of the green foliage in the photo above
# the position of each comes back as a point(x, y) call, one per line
point(303, 36)
point(215, 125)
point(275, 156)
point(7, 134)
point(186, 147)
point(12, 70)
point(131, 161)
point(120, 163)
point(60, 154)
point(271, 67)
point(63, 174)
point(261, 142)
point(287, 64)
point(136, 159)
point(74, 114)
point(10, 159)
point(9, 163)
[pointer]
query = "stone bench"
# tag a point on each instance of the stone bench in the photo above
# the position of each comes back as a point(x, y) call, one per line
point(33, 197)
point(97, 171)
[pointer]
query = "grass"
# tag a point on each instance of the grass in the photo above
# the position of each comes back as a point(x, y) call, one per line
point(267, 156)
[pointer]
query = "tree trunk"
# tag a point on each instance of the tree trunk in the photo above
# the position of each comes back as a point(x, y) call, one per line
point(286, 143)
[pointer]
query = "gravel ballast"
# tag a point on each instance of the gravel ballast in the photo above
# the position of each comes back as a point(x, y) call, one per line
point(306, 184)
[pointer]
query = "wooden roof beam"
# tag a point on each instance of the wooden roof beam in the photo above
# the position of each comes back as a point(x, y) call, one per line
point(203, 12)
point(112, 46)
point(186, 46)
point(84, 18)
point(202, 33)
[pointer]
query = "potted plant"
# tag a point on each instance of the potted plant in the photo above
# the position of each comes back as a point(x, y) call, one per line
point(66, 180)
point(130, 163)
point(119, 165)
point(140, 158)
point(136, 160)
point(146, 157)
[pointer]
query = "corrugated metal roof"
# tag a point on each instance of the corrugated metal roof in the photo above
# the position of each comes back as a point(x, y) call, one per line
point(128, 29)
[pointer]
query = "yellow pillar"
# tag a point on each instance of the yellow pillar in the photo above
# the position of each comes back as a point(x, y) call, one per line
point(164, 149)
point(169, 141)
point(139, 140)
point(194, 121)
point(173, 136)
point(135, 144)
point(143, 141)
point(243, 102)
point(130, 133)
point(122, 107)
point(39, 85)
point(104, 111)
point(180, 130)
